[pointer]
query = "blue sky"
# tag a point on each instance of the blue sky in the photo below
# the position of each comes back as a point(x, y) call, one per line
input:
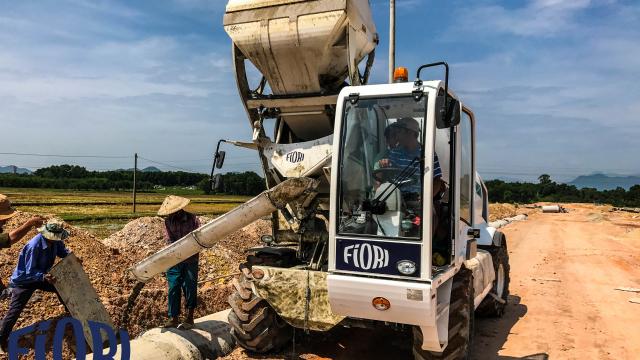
point(554, 84)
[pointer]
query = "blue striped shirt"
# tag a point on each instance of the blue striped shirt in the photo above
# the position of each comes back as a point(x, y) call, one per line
point(401, 158)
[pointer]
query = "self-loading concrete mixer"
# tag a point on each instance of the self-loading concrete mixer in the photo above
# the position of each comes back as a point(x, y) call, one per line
point(378, 215)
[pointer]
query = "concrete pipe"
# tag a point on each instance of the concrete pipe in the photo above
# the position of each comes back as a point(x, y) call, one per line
point(207, 235)
point(498, 223)
point(551, 209)
point(520, 217)
point(209, 339)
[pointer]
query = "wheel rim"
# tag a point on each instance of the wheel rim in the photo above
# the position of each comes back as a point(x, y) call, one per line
point(500, 281)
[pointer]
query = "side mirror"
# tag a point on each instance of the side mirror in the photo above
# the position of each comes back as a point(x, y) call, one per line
point(220, 159)
point(217, 184)
point(446, 118)
point(453, 113)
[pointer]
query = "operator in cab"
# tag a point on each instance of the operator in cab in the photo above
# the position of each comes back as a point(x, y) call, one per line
point(408, 148)
point(406, 156)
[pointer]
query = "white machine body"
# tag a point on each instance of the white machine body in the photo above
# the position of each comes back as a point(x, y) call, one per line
point(366, 228)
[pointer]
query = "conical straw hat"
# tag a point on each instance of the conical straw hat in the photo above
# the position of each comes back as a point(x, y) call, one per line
point(6, 211)
point(172, 204)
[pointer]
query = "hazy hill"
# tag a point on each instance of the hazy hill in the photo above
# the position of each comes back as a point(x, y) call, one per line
point(605, 182)
point(9, 169)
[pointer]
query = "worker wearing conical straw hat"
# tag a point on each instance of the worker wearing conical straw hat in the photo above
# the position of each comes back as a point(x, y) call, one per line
point(182, 277)
point(10, 238)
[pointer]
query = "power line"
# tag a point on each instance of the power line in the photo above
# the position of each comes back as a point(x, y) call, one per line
point(164, 164)
point(67, 156)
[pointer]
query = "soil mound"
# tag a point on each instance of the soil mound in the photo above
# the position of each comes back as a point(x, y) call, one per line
point(498, 211)
point(144, 236)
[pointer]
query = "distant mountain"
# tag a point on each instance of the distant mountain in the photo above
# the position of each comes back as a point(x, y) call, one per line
point(605, 182)
point(9, 169)
point(503, 178)
point(147, 169)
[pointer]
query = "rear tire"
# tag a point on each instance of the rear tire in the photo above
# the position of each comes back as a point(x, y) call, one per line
point(490, 306)
point(460, 322)
point(254, 323)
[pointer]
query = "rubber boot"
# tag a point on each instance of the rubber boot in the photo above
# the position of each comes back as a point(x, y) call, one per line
point(188, 321)
point(173, 322)
point(189, 318)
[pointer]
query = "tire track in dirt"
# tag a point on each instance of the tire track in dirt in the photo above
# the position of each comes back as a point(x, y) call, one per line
point(582, 316)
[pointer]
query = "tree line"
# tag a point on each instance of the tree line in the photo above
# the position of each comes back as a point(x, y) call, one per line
point(249, 183)
point(245, 183)
point(548, 190)
point(75, 177)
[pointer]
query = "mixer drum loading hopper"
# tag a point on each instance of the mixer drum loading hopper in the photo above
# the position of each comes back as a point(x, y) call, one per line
point(302, 46)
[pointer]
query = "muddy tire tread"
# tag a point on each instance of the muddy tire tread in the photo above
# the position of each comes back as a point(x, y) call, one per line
point(254, 324)
point(461, 318)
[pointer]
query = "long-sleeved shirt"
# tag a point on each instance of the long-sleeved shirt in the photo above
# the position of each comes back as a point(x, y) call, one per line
point(36, 259)
point(178, 226)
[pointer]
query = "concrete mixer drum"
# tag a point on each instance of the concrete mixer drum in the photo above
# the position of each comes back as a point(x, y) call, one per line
point(330, 38)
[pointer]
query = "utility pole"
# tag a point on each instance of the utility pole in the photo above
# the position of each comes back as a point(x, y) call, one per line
point(392, 39)
point(135, 170)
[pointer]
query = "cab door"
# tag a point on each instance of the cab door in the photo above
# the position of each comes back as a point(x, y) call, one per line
point(465, 182)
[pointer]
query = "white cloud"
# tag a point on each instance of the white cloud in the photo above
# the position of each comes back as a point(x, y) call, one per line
point(542, 18)
point(556, 86)
point(99, 78)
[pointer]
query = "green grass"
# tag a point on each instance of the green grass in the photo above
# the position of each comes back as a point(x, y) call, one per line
point(106, 212)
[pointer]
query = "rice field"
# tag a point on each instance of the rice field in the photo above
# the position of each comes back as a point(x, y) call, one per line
point(106, 212)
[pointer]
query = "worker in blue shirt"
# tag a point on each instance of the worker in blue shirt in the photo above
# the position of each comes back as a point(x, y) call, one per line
point(31, 274)
point(405, 154)
point(7, 239)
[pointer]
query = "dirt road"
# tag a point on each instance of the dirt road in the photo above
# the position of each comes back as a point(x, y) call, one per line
point(563, 304)
point(565, 268)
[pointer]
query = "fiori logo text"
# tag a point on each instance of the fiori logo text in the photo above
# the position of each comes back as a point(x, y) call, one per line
point(97, 330)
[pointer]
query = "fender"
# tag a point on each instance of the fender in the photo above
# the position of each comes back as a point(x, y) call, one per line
point(497, 240)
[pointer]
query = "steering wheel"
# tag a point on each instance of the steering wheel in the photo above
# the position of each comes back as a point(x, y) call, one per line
point(386, 174)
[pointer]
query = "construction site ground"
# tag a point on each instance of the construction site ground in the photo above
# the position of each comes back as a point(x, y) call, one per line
point(563, 305)
point(565, 269)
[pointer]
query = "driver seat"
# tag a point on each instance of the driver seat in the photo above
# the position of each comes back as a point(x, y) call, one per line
point(389, 222)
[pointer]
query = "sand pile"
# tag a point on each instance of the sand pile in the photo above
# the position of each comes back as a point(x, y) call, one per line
point(140, 234)
point(107, 267)
point(500, 211)
point(144, 236)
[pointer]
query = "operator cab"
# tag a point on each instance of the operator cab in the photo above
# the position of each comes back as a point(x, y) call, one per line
point(392, 215)
point(403, 167)
point(382, 168)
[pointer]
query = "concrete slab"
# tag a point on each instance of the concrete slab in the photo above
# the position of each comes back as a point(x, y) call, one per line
point(78, 295)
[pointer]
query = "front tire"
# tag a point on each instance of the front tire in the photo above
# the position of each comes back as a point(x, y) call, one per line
point(254, 323)
point(460, 322)
point(494, 306)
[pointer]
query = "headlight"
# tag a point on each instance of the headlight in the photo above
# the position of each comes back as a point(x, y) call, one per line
point(406, 267)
